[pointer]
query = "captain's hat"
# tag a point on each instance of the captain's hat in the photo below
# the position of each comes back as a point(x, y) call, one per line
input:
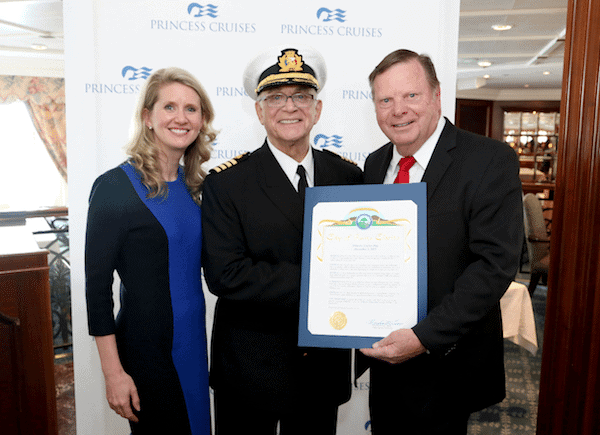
point(283, 65)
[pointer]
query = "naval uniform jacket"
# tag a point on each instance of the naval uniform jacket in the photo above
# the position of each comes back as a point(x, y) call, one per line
point(252, 227)
point(474, 239)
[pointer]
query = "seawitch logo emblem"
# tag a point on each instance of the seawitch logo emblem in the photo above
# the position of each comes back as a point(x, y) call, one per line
point(329, 15)
point(328, 27)
point(200, 18)
point(328, 141)
point(336, 141)
point(141, 73)
point(130, 74)
point(209, 10)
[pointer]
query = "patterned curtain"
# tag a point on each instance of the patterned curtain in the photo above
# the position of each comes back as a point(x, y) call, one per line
point(45, 101)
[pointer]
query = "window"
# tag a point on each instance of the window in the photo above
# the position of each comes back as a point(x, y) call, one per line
point(28, 177)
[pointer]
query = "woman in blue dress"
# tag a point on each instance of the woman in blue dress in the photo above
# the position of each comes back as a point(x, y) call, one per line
point(144, 222)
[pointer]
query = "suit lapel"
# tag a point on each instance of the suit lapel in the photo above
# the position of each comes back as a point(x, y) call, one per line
point(379, 168)
point(323, 174)
point(440, 160)
point(278, 188)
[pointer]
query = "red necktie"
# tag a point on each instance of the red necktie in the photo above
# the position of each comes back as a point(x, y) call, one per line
point(405, 164)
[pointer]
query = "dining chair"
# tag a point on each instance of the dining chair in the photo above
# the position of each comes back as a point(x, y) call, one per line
point(537, 238)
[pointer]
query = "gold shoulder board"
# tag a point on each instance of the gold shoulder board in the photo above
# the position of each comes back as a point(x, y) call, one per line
point(342, 157)
point(348, 160)
point(228, 163)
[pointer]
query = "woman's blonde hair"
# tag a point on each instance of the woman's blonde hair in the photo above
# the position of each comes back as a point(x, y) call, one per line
point(145, 154)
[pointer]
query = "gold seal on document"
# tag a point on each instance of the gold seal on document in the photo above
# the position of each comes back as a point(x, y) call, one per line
point(338, 320)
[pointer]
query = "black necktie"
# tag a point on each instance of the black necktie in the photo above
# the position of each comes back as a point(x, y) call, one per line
point(302, 184)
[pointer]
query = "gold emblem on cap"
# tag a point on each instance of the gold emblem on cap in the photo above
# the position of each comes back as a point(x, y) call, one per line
point(291, 71)
point(338, 320)
point(290, 60)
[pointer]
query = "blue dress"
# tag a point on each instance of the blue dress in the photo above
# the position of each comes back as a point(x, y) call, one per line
point(154, 245)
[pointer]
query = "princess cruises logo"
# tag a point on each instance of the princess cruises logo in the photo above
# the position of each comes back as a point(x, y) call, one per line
point(198, 10)
point(331, 22)
point(134, 81)
point(326, 15)
point(136, 73)
point(203, 19)
point(323, 141)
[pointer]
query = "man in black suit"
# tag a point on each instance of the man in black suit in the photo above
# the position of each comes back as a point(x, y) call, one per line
point(252, 212)
point(428, 379)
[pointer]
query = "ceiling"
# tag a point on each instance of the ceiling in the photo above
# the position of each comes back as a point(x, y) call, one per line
point(24, 24)
point(519, 57)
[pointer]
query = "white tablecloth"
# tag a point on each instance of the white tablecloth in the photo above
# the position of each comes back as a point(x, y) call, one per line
point(517, 317)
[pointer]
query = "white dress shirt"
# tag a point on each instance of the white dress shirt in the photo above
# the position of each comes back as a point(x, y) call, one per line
point(290, 166)
point(422, 157)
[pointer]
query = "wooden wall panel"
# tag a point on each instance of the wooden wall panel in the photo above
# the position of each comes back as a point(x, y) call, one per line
point(25, 296)
point(474, 116)
point(11, 403)
point(570, 383)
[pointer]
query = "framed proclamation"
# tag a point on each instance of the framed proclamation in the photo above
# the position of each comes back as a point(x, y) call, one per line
point(364, 263)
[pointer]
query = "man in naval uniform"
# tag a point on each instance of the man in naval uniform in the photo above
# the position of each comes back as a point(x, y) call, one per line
point(252, 214)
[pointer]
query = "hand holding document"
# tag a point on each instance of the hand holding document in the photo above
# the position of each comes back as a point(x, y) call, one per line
point(364, 263)
point(401, 345)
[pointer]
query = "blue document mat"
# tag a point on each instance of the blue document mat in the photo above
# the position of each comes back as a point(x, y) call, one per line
point(361, 205)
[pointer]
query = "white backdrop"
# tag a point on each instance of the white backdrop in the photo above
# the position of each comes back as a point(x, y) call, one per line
point(112, 46)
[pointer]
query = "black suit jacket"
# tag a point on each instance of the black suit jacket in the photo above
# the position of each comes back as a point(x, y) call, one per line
point(252, 249)
point(474, 239)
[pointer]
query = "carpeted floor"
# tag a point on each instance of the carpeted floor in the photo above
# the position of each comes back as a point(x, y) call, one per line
point(517, 414)
point(65, 397)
